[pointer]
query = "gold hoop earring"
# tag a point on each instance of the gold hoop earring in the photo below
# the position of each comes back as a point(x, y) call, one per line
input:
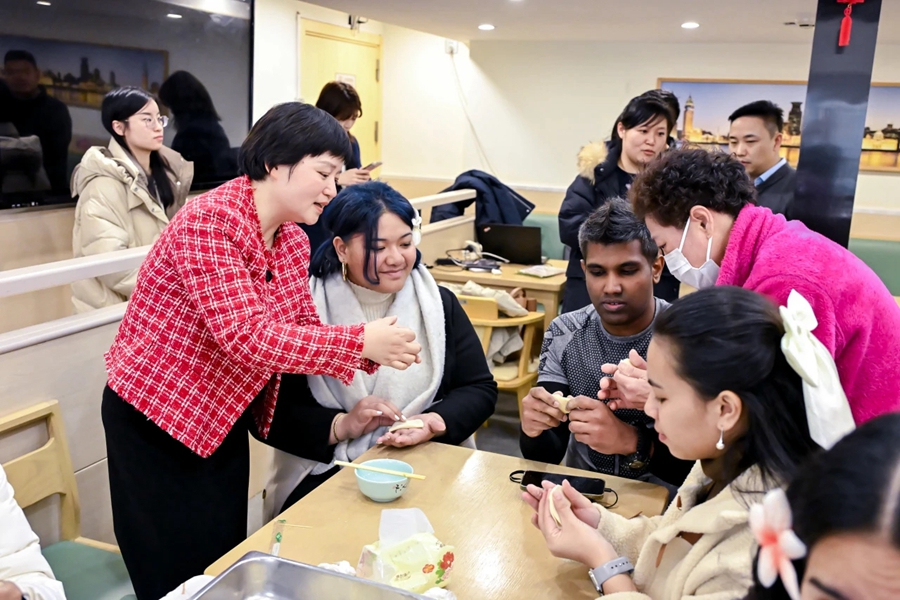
point(344, 270)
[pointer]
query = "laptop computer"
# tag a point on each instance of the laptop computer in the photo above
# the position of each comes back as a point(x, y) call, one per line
point(516, 243)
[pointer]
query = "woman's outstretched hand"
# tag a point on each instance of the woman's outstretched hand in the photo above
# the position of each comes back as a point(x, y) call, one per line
point(390, 345)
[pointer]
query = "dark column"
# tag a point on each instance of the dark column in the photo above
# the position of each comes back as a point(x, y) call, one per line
point(834, 119)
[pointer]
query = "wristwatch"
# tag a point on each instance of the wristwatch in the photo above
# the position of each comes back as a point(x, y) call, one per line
point(603, 573)
point(638, 459)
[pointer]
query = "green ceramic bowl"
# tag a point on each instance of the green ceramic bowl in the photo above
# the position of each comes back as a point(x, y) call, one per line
point(382, 487)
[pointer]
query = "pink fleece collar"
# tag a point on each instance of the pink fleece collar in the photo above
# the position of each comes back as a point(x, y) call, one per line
point(752, 228)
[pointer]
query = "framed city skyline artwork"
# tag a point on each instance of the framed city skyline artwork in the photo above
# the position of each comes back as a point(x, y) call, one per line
point(707, 103)
point(80, 74)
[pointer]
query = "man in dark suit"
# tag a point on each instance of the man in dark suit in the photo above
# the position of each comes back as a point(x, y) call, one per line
point(755, 139)
point(26, 104)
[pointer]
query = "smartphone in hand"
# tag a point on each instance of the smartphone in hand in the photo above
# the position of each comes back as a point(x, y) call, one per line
point(372, 166)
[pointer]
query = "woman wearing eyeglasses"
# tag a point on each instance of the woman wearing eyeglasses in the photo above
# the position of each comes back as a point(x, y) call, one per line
point(127, 191)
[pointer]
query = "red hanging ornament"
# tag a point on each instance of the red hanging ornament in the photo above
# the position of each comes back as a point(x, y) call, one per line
point(847, 22)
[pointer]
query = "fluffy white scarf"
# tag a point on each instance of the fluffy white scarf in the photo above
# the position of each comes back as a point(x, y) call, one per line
point(418, 306)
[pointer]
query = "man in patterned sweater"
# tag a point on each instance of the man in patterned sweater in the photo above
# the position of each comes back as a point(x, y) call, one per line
point(621, 264)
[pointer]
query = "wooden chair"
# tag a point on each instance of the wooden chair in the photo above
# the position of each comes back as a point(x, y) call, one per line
point(88, 569)
point(485, 316)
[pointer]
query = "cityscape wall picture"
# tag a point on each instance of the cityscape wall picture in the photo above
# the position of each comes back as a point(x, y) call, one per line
point(706, 104)
point(80, 74)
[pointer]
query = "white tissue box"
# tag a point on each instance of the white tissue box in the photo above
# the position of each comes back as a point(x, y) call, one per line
point(416, 564)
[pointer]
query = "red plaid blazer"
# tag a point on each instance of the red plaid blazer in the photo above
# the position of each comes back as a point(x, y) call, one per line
point(205, 332)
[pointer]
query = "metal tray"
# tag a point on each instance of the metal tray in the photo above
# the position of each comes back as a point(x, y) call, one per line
point(259, 576)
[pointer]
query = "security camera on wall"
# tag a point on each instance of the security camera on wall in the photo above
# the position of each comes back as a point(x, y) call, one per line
point(355, 21)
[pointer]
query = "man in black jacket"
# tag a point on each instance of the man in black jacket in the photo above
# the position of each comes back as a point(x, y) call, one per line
point(25, 104)
point(582, 348)
point(755, 139)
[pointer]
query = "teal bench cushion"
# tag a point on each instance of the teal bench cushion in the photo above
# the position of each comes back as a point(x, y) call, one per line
point(89, 573)
point(551, 247)
point(883, 258)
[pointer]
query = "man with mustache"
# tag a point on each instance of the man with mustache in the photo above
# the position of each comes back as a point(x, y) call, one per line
point(621, 263)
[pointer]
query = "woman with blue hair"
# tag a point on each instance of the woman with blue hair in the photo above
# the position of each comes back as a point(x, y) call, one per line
point(369, 268)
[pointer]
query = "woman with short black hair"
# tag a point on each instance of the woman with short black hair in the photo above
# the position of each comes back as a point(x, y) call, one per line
point(606, 170)
point(221, 309)
point(341, 101)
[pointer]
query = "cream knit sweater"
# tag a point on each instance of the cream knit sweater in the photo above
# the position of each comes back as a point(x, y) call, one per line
point(374, 304)
point(717, 567)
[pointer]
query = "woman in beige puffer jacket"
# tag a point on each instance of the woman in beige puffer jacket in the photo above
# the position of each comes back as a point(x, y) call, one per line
point(122, 199)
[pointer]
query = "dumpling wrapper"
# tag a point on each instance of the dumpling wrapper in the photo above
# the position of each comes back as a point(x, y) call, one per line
point(411, 424)
point(563, 402)
point(553, 512)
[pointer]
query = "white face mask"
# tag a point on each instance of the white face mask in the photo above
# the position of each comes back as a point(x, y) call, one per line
point(698, 277)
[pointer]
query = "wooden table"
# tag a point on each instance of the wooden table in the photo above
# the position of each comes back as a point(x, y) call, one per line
point(548, 290)
point(471, 504)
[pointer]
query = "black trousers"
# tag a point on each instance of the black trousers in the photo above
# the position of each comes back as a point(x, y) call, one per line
point(174, 513)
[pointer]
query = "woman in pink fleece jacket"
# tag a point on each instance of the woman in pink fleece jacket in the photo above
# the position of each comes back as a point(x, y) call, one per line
point(701, 209)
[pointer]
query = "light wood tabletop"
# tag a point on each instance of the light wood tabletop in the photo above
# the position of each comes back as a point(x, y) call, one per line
point(472, 505)
point(546, 290)
point(509, 277)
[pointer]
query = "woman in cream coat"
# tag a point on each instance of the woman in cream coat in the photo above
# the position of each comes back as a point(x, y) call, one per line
point(725, 395)
point(127, 192)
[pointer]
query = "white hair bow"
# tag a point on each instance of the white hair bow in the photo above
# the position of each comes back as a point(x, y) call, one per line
point(827, 409)
point(771, 524)
point(417, 228)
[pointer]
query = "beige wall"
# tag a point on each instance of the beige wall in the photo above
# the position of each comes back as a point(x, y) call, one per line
point(867, 223)
point(521, 110)
point(34, 237)
point(276, 63)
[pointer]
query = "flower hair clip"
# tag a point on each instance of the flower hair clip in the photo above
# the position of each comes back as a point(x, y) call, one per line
point(417, 228)
point(771, 524)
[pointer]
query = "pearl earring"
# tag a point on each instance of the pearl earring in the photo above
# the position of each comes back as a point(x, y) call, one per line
point(720, 445)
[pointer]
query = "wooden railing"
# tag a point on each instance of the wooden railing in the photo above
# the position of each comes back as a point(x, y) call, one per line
point(64, 272)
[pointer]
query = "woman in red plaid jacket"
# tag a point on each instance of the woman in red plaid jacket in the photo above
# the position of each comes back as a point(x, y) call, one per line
point(221, 308)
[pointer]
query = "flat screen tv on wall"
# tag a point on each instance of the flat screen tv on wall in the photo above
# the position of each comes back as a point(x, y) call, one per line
point(61, 57)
